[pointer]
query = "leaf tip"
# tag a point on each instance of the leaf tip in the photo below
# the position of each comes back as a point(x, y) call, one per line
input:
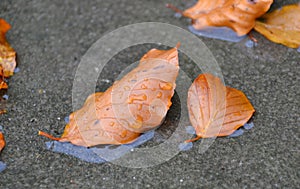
point(4, 25)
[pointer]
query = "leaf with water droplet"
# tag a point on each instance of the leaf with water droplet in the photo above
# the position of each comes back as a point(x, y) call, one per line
point(126, 109)
point(216, 110)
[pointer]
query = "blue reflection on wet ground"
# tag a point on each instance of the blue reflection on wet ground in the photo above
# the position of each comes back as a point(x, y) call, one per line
point(185, 146)
point(222, 33)
point(2, 165)
point(95, 154)
point(105, 153)
point(241, 130)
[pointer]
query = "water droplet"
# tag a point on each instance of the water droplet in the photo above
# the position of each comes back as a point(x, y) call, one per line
point(159, 94)
point(166, 86)
point(123, 133)
point(140, 106)
point(140, 97)
point(139, 122)
point(144, 86)
point(112, 123)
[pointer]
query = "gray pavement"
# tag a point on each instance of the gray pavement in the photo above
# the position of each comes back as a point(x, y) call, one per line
point(50, 38)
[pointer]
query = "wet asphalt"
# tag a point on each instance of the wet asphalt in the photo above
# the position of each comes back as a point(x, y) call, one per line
point(51, 37)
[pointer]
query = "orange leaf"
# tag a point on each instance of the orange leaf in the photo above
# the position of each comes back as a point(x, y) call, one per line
point(2, 141)
point(7, 53)
point(238, 15)
point(135, 104)
point(216, 110)
point(3, 84)
point(282, 26)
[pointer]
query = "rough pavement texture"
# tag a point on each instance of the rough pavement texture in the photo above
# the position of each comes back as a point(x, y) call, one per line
point(50, 38)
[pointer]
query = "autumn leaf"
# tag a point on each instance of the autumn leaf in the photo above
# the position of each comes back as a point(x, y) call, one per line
point(7, 53)
point(135, 104)
point(2, 141)
point(3, 84)
point(282, 26)
point(239, 15)
point(216, 110)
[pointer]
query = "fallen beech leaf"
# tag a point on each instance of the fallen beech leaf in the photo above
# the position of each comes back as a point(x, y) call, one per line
point(216, 110)
point(7, 53)
point(135, 104)
point(3, 84)
point(239, 15)
point(282, 26)
point(2, 141)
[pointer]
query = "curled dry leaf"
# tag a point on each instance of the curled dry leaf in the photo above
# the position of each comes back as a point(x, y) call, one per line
point(282, 26)
point(216, 110)
point(239, 15)
point(135, 104)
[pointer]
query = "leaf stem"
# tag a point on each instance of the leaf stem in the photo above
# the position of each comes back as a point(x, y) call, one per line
point(41, 133)
point(172, 7)
point(193, 139)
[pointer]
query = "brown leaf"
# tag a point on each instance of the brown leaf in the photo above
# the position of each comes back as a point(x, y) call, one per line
point(7, 53)
point(282, 26)
point(216, 110)
point(135, 104)
point(238, 15)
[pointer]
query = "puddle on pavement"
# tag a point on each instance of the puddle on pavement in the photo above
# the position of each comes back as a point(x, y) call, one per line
point(223, 33)
point(2, 166)
point(107, 153)
point(98, 154)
